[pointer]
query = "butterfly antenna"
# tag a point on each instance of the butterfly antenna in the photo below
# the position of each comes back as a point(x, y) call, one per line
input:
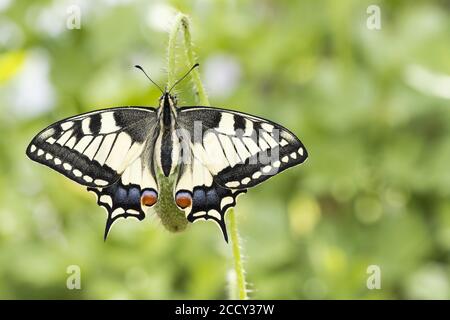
point(182, 78)
point(140, 68)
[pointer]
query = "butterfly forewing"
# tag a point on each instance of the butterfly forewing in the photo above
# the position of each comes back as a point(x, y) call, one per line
point(240, 150)
point(94, 149)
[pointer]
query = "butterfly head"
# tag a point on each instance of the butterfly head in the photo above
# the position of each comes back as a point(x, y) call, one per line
point(167, 106)
point(168, 102)
point(167, 99)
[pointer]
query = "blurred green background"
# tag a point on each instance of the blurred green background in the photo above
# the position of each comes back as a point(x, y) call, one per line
point(371, 106)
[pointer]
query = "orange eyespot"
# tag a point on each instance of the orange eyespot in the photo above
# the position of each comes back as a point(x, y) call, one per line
point(149, 198)
point(183, 199)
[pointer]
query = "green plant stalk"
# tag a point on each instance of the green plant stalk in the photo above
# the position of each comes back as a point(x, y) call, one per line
point(182, 22)
point(238, 264)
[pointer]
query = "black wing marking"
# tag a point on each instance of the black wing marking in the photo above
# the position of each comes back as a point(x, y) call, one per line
point(94, 148)
point(240, 150)
point(122, 199)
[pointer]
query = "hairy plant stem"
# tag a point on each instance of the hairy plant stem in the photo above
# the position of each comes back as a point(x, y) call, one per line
point(182, 22)
point(238, 263)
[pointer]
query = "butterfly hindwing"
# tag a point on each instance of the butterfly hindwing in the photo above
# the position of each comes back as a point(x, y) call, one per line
point(240, 150)
point(210, 201)
point(123, 198)
point(94, 148)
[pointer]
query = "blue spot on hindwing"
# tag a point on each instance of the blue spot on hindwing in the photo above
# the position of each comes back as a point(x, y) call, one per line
point(120, 196)
point(134, 196)
point(212, 199)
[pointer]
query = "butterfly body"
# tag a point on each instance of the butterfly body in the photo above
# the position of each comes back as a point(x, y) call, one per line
point(185, 164)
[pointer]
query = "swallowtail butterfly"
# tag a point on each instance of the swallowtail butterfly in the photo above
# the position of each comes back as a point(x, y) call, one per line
point(186, 163)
